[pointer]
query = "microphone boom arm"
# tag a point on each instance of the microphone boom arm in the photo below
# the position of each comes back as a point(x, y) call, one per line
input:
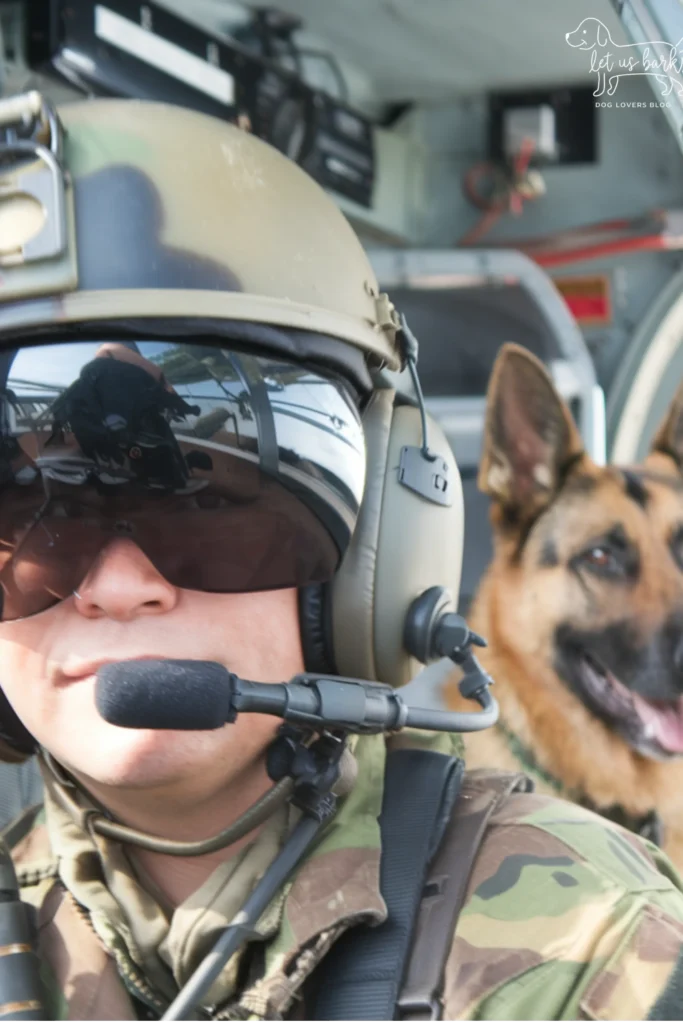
point(358, 706)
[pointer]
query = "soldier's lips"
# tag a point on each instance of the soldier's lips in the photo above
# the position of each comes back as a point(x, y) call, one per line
point(76, 670)
point(653, 728)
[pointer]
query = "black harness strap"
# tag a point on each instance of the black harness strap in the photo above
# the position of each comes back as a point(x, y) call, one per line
point(360, 978)
point(669, 1006)
point(481, 794)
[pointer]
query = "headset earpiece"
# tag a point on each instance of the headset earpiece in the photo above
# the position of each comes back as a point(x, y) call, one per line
point(404, 544)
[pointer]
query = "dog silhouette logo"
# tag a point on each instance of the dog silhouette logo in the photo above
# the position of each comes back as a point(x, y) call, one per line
point(612, 61)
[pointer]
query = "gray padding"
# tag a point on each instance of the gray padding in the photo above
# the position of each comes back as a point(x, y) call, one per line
point(420, 546)
point(354, 584)
point(402, 545)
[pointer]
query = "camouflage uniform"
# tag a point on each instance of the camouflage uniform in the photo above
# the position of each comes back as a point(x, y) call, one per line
point(177, 217)
point(566, 917)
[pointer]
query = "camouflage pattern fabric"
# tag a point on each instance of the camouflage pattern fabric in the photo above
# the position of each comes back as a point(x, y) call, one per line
point(566, 917)
point(179, 243)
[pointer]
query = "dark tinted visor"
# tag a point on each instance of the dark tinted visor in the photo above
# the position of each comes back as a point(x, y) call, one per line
point(231, 472)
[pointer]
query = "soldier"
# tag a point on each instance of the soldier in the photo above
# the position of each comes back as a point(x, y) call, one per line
point(199, 460)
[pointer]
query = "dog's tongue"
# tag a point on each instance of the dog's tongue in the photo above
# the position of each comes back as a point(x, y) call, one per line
point(664, 723)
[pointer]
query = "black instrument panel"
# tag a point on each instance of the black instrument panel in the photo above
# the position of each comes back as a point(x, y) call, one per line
point(133, 49)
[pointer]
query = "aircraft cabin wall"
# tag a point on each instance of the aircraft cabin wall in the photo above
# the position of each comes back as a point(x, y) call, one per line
point(639, 167)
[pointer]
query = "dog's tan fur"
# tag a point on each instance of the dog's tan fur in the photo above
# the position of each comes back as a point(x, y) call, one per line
point(546, 491)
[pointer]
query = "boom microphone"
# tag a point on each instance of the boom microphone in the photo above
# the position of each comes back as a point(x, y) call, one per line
point(160, 694)
point(203, 695)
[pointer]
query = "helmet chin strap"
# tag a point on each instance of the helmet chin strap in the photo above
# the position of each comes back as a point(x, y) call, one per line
point(93, 820)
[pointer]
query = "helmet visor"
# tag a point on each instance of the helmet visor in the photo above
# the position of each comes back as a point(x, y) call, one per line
point(231, 472)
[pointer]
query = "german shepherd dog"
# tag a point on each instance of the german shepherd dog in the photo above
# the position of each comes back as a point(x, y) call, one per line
point(582, 608)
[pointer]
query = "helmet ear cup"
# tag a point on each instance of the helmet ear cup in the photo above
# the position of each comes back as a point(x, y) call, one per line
point(353, 587)
point(316, 633)
point(16, 742)
point(403, 544)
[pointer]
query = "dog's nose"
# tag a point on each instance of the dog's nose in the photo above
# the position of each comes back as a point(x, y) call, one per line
point(678, 656)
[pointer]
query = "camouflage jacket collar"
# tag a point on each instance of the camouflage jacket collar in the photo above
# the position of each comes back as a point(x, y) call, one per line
point(336, 887)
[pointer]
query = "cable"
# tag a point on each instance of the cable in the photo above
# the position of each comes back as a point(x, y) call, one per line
point(647, 233)
point(645, 223)
point(482, 227)
point(244, 923)
point(510, 188)
point(245, 824)
point(653, 223)
point(410, 351)
point(423, 412)
point(643, 243)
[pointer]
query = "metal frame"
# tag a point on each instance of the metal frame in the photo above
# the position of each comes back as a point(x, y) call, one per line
point(574, 374)
point(649, 376)
point(655, 24)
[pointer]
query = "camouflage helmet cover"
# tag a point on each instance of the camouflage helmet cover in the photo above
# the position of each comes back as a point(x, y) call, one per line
point(179, 214)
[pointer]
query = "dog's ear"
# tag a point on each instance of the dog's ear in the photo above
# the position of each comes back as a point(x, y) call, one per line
point(530, 438)
point(669, 437)
point(602, 37)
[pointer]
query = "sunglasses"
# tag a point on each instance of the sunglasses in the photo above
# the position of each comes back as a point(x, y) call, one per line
point(230, 473)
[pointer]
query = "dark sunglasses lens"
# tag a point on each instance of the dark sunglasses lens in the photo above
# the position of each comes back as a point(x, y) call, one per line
point(229, 472)
point(42, 558)
point(213, 549)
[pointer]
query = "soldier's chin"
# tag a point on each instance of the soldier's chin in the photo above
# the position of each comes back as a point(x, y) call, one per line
point(144, 759)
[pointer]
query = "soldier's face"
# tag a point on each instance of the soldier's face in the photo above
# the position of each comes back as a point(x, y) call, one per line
point(126, 609)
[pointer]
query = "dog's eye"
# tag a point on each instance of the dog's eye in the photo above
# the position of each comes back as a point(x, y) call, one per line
point(615, 558)
point(600, 560)
point(599, 557)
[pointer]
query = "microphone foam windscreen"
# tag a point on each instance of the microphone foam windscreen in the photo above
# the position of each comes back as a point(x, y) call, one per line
point(164, 694)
